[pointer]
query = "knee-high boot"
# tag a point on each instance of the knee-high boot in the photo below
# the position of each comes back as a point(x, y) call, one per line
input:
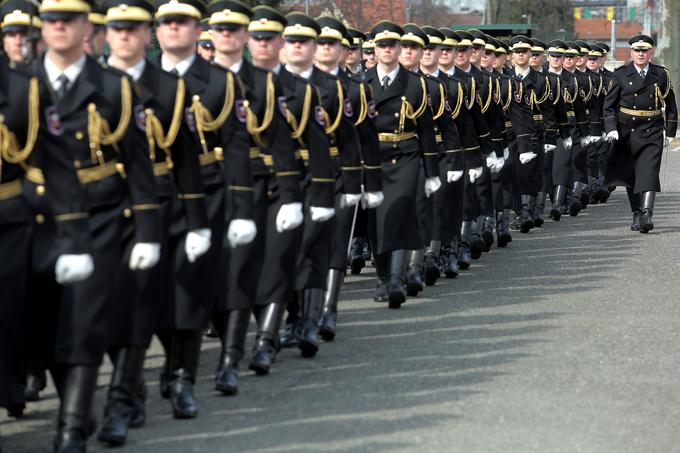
point(646, 224)
point(266, 342)
point(329, 314)
point(233, 348)
point(185, 358)
point(74, 424)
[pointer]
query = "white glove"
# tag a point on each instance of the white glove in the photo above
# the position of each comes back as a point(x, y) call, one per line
point(612, 136)
point(289, 217)
point(475, 173)
point(595, 138)
point(453, 176)
point(506, 154)
point(547, 147)
point(432, 185)
point(567, 143)
point(241, 232)
point(669, 140)
point(144, 255)
point(498, 165)
point(348, 200)
point(371, 200)
point(525, 158)
point(321, 214)
point(491, 160)
point(585, 141)
point(197, 243)
point(73, 268)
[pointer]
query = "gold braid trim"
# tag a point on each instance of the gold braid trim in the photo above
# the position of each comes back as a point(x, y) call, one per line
point(9, 148)
point(407, 109)
point(363, 100)
point(558, 91)
point(473, 93)
point(154, 129)
point(668, 84)
point(486, 105)
point(203, 117)
point(98, 128)
point(341, 106)
point(306, 107)
point(459, 102)
point(546, 93)
point(567, 96)
point(507, 104)
point(251, 118)
point(590, 90)
point(442, 103)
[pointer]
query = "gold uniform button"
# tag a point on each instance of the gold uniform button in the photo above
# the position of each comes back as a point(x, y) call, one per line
point(79, 135)
point(396, 115)
point(77, 164)
point(394, 161)
point(39, 219)
point(127, 213)
point(396, 131)
point(40, 191)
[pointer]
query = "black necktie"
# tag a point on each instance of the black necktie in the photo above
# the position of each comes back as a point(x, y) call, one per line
point(520, 77)
point(174, 71)
point(642, 74)
point(62, 80)
point(386, 82)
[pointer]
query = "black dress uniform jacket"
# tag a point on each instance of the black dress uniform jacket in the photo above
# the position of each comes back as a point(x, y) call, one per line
point(633, 107)
point(76, 128)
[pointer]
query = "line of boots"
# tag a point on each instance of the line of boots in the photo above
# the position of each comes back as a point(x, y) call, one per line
point(391, 287)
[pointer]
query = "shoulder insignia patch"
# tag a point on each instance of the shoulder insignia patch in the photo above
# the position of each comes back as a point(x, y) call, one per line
point(372, 112)
point(319, 115)
point(140, 117)
point(54, 124)
point(241, 112)
point(283, 105)
point(349, 111)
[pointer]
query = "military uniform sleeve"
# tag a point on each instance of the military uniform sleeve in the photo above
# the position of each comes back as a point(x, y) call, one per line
point(671, 111)
point(368, 137)
point(286, 164)
point(140, 180)
point(320, 163)
point(426, 136)
point(187, 172)
point(348, 143)
point(236, 148)
point(611, 105)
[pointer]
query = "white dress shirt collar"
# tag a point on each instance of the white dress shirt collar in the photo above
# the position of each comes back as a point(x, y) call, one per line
point(306, 74)
point(525, 73)
point(236, 67)
point(392, 75)
point(135, 71)
point(72, 72)
point(182, 67)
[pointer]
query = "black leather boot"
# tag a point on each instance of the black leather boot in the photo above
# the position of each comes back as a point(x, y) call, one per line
point(647, 199)
point(477, 243)
point(526, 217)
point(120, 405)
point(138, 418)
point(464, 257)
point(75, 421)
point(382, 269)
point(395, 286)
point(414, 272)
point(186, 352)
point(356, 256)
point(503, 237)
point(539, 209)
point(311, 313)
point(329, 314)
point(585, 195)
point(575, 200)
point(265, 347)
point(558, 199)
point(233, 348)
point(487, 232)
point(431, 266)
point(635, 225)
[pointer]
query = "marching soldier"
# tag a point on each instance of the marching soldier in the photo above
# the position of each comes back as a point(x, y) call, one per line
point(597, 158)
point(354, 61)
point(406, 135)
point(336, 110)
point(641, 115)
point(357, 110)
point(276, 180)
point(180, 190)
point(20, 31)
point(91, 117)
point(22, 102)
point(368, 52)
point(217, 120)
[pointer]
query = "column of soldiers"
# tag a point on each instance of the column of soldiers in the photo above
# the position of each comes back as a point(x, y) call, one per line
point(147, 196)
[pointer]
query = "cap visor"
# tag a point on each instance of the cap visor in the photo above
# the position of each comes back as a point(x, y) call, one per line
point(124, 23)
point(226, 26)
point(60, 15)
point(295, 38)
point(264, 34)
point(386, 42)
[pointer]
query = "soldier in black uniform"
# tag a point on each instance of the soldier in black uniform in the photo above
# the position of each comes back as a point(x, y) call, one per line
point(597, 160)
point(216, 119)
point(22, 102)
point(276, 175)
point(358, 104)
point(91, 116)
point(475, 139)
point(180, 189)
point(406, 134)
point(641, 115)
point(20, 30)
point(531, 90)
point(319, 236)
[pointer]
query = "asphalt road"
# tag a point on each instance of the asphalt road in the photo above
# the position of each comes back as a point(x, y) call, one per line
point(567, 341)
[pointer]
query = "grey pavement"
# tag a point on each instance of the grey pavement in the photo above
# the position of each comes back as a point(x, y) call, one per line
point(567, 341)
